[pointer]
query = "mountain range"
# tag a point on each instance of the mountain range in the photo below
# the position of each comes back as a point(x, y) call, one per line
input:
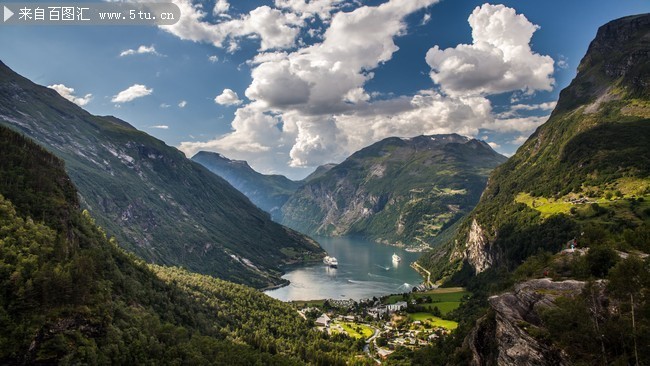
point(402, 191)
point(156, 202)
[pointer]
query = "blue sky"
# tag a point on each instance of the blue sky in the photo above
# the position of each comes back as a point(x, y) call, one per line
point(292, 84)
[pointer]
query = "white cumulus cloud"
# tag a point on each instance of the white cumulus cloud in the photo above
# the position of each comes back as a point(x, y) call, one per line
point(426, 19)
point(228, 97)
point(133, 92)
point(516, 110)
point(519, 140)
point(274, 28)
point(494, 145)
point(68, 93)
point(547, 106)
point(182, 104)
point(308, 9)
point(140, 51)
point(563, 62)
point(220, 7)
point(517, 124)
point(499, 59)
point(326, 77)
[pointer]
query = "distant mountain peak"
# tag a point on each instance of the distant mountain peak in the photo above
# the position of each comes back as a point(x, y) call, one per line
point(268, 192)
point(398, 190)
point(216, 156)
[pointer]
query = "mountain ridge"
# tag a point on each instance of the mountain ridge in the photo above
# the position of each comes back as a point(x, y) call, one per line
point(397, 191)
point(156, 202)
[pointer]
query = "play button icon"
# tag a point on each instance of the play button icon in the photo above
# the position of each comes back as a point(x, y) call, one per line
point(7, 13)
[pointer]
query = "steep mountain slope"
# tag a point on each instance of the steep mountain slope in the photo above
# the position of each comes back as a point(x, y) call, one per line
point(71, 296)
point(319, 172)
point(397, 191)
point(157, 203)
point(585, 173)
point(268, 192)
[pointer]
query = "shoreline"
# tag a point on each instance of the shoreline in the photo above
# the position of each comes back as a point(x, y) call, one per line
point(275, 287)
point(283, 268)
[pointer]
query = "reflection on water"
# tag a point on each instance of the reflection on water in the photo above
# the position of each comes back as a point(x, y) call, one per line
point(366, 269)
point(395, 264)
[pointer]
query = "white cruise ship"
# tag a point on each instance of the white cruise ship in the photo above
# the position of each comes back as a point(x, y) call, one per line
point(396, 258)
point(331, 261)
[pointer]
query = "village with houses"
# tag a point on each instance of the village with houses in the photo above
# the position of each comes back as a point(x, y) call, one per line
point(411, 320)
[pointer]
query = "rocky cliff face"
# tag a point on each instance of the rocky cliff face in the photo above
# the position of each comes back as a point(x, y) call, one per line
point(397, 191)
point(619, 55)
point(515, 317)
point(477, 252)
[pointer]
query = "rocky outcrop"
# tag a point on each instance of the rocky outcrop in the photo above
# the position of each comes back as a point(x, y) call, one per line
point(477, 251)
point(615, 37)
point(504, 337)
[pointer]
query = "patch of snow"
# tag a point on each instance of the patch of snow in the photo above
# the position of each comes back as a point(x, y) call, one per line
point(127, 158)
point(111, 150)
point(14, 121)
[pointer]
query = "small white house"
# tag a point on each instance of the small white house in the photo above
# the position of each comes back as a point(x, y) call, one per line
point(400, 305)
point(323, 321)
point(383, 353)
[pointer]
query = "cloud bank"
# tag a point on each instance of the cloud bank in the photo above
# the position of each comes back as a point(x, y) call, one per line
point(309, 105)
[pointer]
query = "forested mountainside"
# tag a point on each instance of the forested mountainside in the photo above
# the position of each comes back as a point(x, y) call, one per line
point(157, 203)
point(396, 191)
point(72, 296)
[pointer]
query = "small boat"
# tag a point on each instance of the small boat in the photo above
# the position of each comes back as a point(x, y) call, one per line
point(331, 262)
point(396, 258)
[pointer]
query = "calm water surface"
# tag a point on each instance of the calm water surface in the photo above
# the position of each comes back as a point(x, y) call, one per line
point(365, 270)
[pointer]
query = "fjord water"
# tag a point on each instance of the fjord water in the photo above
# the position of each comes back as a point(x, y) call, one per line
point(365, 270)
